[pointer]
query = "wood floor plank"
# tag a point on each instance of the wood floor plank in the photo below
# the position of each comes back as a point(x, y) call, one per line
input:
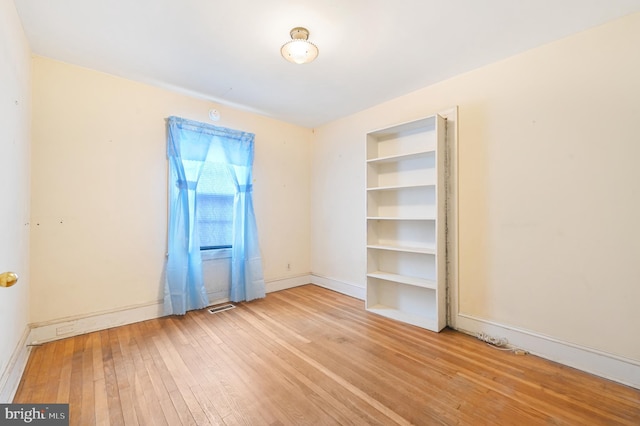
point(101, 407)
point(43, 372)
point(101, 404)
point(75, 387)
point(308, 355)
point(111, 381)
point(87, 407)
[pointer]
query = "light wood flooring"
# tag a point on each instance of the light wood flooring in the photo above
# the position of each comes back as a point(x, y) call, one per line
point(309, 356)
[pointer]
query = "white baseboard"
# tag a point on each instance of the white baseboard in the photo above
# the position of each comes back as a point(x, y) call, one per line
point(349, 289)
point(285, 283)
point(608, 366)
point(82, 324)
point(10, 377)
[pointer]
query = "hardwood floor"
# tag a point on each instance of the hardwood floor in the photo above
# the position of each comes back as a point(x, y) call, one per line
point(309, 356)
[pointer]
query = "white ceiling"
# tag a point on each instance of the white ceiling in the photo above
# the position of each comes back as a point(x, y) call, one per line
point(371, 51)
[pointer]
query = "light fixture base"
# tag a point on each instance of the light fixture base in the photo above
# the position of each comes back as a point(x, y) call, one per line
point(299, 33)
point(299, 49)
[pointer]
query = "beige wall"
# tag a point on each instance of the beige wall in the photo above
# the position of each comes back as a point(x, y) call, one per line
point(15, 104)
point(99, 206)
point(549, 188)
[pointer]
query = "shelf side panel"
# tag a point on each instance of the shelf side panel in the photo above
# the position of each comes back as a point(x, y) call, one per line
point(441, 222)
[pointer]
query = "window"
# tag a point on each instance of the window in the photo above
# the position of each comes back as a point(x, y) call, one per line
point(214, 206)
point(209, 166)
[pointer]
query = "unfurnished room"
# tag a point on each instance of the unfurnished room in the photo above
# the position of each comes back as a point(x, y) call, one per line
point(319, 212)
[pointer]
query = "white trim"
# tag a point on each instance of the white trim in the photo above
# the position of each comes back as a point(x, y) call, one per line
point(82, 324)
point(218, 297)
point(10, 377)
point(349, 289)
point(451, 115)
point(214, 254)
point(610, 366)
point(285, 283)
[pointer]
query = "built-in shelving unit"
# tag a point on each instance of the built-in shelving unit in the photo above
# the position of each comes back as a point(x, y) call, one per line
point(406, 265)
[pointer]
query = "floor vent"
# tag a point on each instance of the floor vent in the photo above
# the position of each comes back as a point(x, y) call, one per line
point(221, 308)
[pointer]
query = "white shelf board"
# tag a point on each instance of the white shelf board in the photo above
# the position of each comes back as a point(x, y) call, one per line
point(404, 279)
point(417, 320)
point(421, 250)
point(399, 218)
point(424, 124)
point(401, 157)
point(396, 187)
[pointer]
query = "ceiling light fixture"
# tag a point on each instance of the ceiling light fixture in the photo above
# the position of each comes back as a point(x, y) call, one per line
point(299, 50)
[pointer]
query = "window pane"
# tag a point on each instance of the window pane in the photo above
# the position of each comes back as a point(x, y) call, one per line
point(215, 218)
point(216, 179)
point(214, 210)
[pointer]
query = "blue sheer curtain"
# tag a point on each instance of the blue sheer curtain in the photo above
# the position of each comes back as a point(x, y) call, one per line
point(190, 145)
point(247, 281)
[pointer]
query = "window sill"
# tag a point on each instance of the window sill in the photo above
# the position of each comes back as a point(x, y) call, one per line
point(215, 254)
